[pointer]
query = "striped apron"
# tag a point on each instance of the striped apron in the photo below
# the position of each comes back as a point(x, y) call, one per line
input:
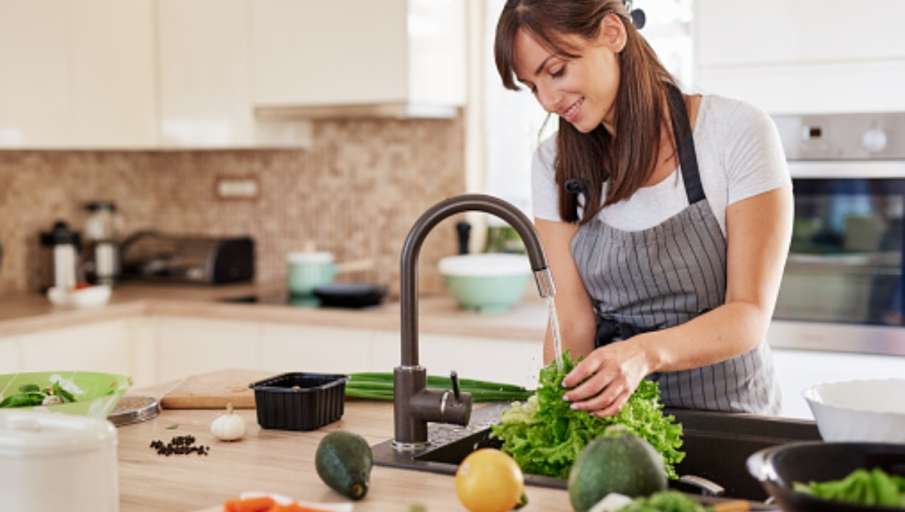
point(666, 275)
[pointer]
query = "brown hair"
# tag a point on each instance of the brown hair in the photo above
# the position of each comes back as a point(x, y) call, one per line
point(626, 159)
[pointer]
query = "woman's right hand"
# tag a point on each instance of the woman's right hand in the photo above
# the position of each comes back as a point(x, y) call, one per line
point(603, 382)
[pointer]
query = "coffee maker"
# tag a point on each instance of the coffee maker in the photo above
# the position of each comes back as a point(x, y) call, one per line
point(102, 258)
point(65, 244)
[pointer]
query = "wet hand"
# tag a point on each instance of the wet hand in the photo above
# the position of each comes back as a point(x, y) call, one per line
point(603, 382)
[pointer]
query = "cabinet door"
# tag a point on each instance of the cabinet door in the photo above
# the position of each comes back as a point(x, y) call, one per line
point(204, 65)
point(204, 79)
point(295, 348)
point(76, 74)
point(733, 32)
point(190, 346)
point(339, 52)
point(100, 347)
point(34, 76)
point(111, 66)
point(10, 358)
point(436, 51)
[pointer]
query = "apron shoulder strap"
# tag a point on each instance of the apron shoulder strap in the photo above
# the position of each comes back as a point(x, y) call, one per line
point(681, 129)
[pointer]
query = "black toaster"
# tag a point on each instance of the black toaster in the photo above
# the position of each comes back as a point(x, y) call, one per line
point(153, 256)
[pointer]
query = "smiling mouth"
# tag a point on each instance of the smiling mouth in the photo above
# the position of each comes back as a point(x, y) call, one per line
point(572, 112)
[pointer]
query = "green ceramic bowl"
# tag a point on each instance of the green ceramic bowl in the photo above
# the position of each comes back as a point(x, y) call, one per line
point(489, 283)
point(100, 391)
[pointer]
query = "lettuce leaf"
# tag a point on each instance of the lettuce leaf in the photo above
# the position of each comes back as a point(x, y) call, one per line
point(544, 435)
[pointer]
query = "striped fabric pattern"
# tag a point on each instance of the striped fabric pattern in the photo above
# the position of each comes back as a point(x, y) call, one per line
point(662, 277)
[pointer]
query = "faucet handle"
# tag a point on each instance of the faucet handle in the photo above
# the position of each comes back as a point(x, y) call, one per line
point(454, 377)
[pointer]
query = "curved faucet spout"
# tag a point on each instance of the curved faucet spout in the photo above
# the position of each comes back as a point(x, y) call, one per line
point(413, 404)
point(412, 247)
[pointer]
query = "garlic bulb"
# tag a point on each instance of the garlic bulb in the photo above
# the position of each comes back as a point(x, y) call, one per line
point(229, 426)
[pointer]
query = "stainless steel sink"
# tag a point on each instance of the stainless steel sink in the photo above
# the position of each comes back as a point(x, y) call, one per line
point(716, 446)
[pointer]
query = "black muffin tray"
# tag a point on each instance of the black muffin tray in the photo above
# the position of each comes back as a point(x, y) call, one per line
point(299, 401)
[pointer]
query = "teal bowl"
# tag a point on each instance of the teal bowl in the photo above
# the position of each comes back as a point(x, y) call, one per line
point(95, 393)
point(489, 283)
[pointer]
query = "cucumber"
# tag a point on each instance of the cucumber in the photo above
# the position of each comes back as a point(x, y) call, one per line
point(343, 461)
point(618, 461)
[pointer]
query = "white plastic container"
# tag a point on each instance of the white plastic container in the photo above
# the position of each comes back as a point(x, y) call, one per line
point(51, 462)
point(870, 410)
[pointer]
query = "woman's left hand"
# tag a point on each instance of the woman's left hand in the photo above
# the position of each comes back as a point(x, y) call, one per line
point(604, 381)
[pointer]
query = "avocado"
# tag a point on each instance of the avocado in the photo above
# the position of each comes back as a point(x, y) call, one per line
point(617, 461)
point(343, 461)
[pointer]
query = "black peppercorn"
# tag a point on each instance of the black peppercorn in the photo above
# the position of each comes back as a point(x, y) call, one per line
point(179, 445)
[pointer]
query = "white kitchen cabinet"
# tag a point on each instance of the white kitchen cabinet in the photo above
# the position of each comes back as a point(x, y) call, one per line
point(296, 348)
point(742, 32)
point(205, 83)
point(34, 77)
point(874, 86)
point(807, 56)
point(111, 67)
point(189, 346)
point(10, 356)
point(796, 370)
point(97, 347)
point(407, 56)
point(76, 74)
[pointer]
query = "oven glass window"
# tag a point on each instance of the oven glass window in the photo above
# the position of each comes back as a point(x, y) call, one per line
point(845, 260)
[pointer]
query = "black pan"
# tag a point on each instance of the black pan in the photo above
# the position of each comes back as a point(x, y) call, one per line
point(350, 295)
point(776, 468)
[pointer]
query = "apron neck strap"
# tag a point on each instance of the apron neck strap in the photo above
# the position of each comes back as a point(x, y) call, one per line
point(681, 129)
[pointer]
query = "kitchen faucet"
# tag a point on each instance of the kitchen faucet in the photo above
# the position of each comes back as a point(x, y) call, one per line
point(414, 405)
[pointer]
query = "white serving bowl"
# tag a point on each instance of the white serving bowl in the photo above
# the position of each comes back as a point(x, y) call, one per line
point(859, 410)
point(91, 297)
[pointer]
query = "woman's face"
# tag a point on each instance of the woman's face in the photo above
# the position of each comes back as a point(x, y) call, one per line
point(581, 91)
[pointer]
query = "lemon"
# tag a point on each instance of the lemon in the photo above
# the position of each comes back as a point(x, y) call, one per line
point(488, 480)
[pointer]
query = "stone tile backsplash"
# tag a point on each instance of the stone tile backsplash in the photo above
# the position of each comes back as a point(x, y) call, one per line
point(356, 191)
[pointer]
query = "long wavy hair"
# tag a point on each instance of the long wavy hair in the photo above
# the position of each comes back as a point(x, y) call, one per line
point(627, 159)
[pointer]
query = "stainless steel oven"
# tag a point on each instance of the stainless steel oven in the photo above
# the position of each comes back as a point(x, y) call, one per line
point(842, 289)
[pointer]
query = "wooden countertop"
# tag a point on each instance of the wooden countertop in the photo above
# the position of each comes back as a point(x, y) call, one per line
point(274, 461)
point(31, 312)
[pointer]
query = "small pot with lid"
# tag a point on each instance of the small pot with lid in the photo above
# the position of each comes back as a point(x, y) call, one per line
point(307, 270)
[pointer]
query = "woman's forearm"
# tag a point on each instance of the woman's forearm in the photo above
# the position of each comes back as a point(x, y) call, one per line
point(577, 336)
point(728, 331)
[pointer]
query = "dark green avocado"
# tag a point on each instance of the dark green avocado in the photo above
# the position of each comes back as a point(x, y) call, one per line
point(343, 461)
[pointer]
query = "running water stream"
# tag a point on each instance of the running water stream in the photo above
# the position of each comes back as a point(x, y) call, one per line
point(554, 326)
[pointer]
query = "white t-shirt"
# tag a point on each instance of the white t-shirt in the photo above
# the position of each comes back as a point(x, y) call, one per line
point(739, 156)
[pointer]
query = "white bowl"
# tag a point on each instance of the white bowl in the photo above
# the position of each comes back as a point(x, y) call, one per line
point(58, 296)
point(91, 297)
point(859, 410)
point(485, 265)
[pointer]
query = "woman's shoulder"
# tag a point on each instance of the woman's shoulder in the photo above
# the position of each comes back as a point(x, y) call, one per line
point(545, 154)
point(726, 117)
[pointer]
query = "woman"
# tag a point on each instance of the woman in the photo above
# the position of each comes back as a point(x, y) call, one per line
point(666, 242)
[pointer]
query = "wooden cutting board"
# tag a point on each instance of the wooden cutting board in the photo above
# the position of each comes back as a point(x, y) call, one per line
point(214, 390)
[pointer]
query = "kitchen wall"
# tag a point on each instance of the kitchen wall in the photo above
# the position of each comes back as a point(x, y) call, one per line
point(356, 191)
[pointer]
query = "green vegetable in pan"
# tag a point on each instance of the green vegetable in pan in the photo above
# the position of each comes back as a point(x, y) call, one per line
point(863, 487)
point(665, 501)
